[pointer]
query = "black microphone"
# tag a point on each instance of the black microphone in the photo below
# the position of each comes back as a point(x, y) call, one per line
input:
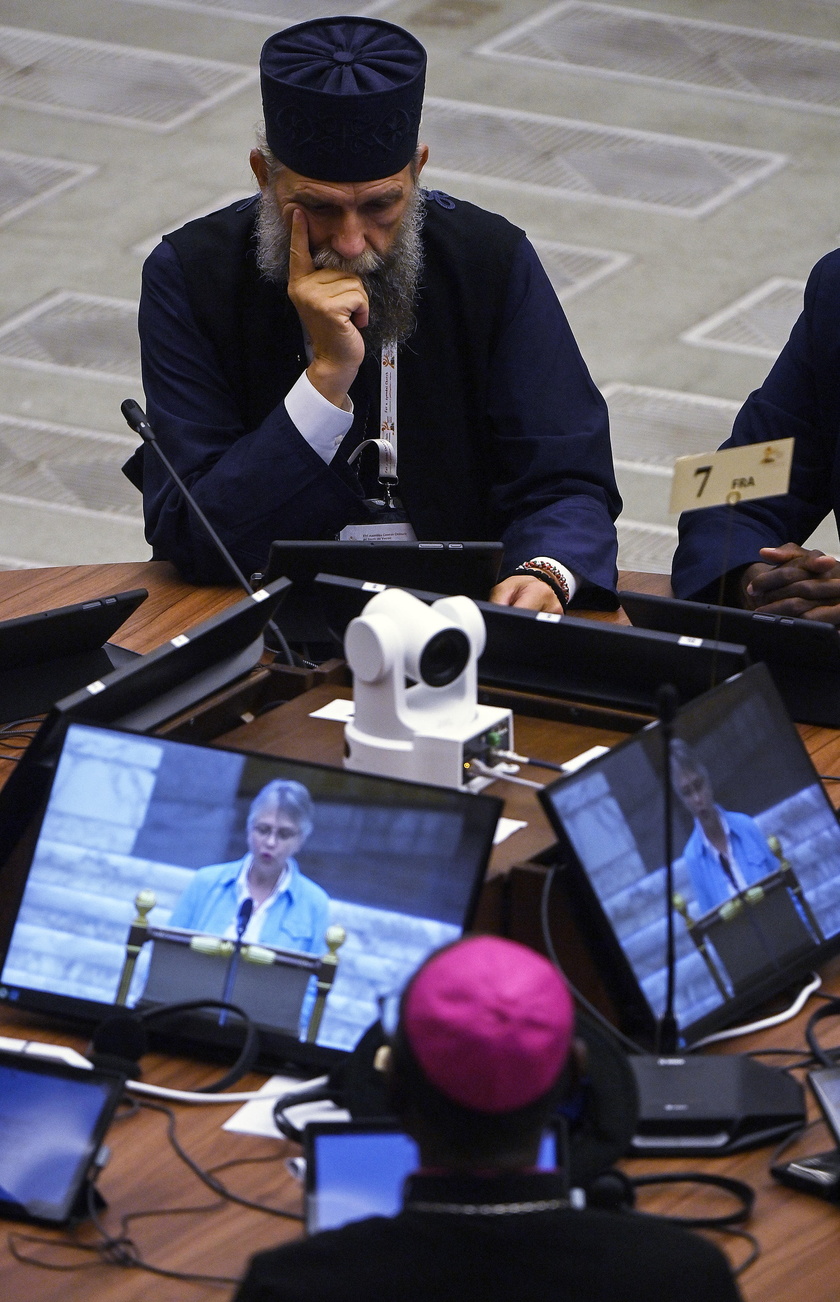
point(136, 418)
point(667, 703)
point(243, 917)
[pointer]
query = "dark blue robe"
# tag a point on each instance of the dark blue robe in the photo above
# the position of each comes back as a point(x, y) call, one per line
point(502, 433)
point(799, 399)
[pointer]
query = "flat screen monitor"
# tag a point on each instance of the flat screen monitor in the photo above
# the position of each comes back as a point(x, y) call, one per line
point(469, 568)
point(187, 667)
point(453, 567)
point(585, 660)
point(54, 652)
point(757, 859)
point(397, 866)
point(803, 655)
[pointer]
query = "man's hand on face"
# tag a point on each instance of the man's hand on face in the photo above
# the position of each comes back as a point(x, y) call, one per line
point(333, 309)
point(789, 580)
point(531, 594)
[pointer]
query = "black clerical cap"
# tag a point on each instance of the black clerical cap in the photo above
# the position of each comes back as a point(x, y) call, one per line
point(342, 97)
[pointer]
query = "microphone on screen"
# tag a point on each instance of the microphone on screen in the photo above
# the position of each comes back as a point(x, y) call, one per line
point(136, 418)
point(243, 917)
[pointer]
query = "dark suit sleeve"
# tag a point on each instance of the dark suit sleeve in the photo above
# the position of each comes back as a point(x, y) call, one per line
point(555, 492)
point(800, 399)
point(254, 485)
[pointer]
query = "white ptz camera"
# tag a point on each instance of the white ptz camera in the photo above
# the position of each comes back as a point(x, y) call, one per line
point(432, 730)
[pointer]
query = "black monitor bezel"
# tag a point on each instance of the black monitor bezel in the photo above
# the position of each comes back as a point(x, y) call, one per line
point(636, 1016)
point(195, 1036)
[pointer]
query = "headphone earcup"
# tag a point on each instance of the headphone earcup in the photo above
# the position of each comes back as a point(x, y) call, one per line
point(364, 1089)
point(605, 1123)
point(119, 1042)
point(611, 1191)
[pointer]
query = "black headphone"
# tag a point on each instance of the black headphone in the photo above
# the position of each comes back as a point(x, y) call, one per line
point(121, 1040)
point(601, 1118)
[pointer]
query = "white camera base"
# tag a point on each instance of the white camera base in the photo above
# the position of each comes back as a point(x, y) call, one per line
point(442, 758)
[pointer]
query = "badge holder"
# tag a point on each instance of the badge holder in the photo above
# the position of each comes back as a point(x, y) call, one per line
point(386, 520)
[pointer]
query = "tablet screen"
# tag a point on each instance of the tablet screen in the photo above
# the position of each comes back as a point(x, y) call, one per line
point(51, 1124)
point(356, 1171)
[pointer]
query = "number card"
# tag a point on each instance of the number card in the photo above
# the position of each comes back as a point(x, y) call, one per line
point(734, 475)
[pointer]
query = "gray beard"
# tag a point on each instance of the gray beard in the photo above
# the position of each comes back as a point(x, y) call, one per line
point(390, 281)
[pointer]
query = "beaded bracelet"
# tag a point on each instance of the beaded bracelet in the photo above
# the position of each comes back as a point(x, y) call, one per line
point(549, 574)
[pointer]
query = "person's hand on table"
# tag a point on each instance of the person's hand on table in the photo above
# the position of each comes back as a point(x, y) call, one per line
point(333, 308)
point(529, 593)
point(795, 581)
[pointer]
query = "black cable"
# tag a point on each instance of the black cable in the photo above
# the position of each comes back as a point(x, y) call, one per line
point(13, 731)
point(801, 1065)
point(790, 1140)
point(729, 1223)
point(825, 1057)
point(114, 1249)
point(739, 1189)
point(130, 1108)
point(828, 777)
point(244, 1161)
point(623, 1040)
point(284, 1123)
point(737, 1232)
point(543, 764)
point(120, 1249)
point(207, 1177)
point(248, 1053)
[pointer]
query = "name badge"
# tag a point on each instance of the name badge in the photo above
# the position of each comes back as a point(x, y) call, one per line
point(396, 531)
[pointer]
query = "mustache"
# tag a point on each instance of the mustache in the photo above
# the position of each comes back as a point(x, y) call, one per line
point(366, 263)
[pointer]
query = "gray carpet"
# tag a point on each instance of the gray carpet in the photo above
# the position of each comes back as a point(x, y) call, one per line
point(675, 166)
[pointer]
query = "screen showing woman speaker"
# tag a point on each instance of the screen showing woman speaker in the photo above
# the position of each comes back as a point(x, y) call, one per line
point(164, 872)
point(756, 843)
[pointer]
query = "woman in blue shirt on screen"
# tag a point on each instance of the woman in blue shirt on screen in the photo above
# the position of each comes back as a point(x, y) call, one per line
point(726, 851)
point(289, 911)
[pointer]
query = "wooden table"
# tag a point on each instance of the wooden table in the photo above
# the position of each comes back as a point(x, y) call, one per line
point(170, 607)
point(797, 1233)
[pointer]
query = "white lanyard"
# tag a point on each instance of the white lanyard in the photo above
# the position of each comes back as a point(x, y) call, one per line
point(388, 397)
point(398, 531)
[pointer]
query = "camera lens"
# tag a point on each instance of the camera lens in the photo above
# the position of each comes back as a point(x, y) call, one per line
point(444, 657)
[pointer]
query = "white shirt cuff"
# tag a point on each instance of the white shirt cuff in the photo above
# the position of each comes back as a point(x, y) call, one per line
point(569, 575)
point(321, 423)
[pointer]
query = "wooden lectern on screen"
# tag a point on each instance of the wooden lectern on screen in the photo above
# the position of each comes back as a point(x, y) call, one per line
point(270, 984)
point(767, 923)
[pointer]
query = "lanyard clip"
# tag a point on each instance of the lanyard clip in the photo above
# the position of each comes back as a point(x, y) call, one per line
point(387, 459)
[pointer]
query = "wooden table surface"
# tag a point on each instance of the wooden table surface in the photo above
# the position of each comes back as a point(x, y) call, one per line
point(798, 1234)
